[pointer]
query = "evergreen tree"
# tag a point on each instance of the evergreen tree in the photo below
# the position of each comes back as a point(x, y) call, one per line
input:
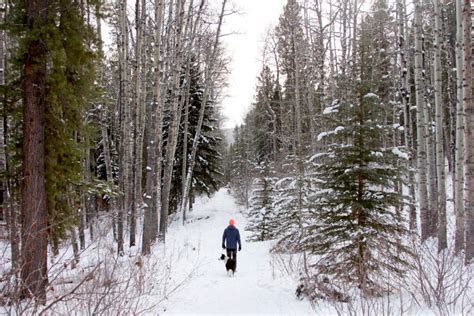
point(291, 206)
point(240, 165)
point(70, 95)
point(261, 215)
point(208, 170)
point(55, 43)
point(356, 228)
point(263, 119)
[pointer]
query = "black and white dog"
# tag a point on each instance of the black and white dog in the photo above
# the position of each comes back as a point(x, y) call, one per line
point(229, 264)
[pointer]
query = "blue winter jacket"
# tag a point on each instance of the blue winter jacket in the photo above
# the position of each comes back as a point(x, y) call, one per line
point(231, 238)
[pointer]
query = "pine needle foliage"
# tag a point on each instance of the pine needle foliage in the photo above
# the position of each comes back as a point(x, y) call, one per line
point(261, 215)
point(208, 170)
point(71, 51)
point(357, 230)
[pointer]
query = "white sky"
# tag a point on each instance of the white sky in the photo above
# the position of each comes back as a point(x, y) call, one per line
point(245, 51)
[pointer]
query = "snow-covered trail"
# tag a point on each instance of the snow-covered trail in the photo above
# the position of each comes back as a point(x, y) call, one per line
point(257, 288)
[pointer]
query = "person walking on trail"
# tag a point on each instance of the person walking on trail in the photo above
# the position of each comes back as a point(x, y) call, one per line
point(230, 240)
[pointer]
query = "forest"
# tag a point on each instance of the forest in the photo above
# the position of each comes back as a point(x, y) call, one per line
point(357, 153)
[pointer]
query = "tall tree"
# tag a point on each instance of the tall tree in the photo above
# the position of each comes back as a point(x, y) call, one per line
point(172, 138)
point(459, 147)
point(125, 125)
point(153, 145)
point(405, 98)
point(33, 198)
point(209, 74)
point(355, 208)
point(440, 156)
point(421, 155)
point(261, 215)
point(468, 106)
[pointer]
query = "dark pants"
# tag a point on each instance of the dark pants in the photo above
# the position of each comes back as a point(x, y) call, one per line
point(232, 253)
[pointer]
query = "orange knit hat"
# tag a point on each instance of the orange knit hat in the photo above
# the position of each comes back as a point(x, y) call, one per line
point(231, 221)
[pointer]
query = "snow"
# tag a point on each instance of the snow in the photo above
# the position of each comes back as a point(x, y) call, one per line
point(185, 277)
point(396, 151)
point(335, 131)
point(371, 95)
point(398, 126)
point(322, 135)
point(376, 154)
point(257, 287)
point(331, 109)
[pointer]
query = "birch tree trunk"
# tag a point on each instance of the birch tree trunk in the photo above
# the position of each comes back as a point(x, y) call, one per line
point(431, 175)
point(468, 104)
point(459, 149)
point(138, 114)
point(89, 210)
point(184, 102)
point(207, 89)
point(343, 44)
point(420, 123)
point(174, 120)
point(82, 212)
point(125, 148)
point(185, 156)
point(405, 95)
point(440, 157)
point(153, 168)
point(332, 58)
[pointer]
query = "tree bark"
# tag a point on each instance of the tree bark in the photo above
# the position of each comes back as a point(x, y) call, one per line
point(420, 124)
point(3, 136)
point(440, 156)
point(405, 96)
point(125, 141)
point(459, 149)
point(34, 250)
point(137, 120)
point(468, 104)
point(175, 118)
point(153, 168)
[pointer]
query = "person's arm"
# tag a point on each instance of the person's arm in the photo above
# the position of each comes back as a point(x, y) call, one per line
point(238, 240)
point(223, 239)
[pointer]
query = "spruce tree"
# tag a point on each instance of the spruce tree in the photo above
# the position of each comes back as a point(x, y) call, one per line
point(291, 206)
point(240, 165)
point(208, 170)
point(68, 127)
point(261, 215)
point(55, 58)
point(356, 228)
point(262, 119)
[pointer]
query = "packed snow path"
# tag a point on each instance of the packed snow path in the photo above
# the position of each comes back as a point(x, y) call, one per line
point(258, 286)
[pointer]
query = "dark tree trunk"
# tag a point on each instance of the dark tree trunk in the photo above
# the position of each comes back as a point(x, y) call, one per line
point(33, 194)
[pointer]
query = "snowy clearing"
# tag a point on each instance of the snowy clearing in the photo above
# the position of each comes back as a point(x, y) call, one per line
point(259, 287)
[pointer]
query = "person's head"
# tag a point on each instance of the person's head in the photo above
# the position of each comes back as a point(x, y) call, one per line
point(231, 221)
